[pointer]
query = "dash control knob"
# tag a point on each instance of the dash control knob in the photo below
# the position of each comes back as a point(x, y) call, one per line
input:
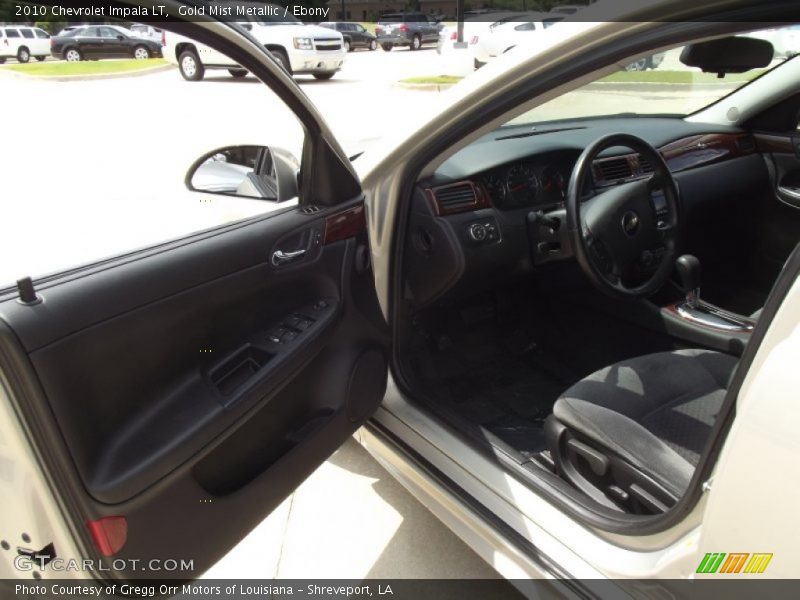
point(477, 232)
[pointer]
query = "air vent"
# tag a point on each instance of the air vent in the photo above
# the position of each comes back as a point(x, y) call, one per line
point(310, 210)
point(645, 168)
point(452, 198)
point(613, 169)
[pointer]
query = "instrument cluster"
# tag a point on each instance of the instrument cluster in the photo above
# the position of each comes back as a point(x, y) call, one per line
point(527, 184)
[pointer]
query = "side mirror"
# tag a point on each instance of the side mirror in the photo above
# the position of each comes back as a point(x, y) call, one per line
point(120, 37)
point(246, 171)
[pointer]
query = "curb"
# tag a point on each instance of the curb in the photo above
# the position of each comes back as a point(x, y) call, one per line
point(93, 77)
point(425, 87)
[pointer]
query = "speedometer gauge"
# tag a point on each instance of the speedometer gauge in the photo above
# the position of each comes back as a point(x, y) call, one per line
point(521, 185)
point(553, 183)
point(496, 187)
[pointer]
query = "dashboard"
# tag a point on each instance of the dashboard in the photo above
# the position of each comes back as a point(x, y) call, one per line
point(495, 209)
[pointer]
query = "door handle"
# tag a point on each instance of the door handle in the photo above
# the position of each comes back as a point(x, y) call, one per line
point(279, 257)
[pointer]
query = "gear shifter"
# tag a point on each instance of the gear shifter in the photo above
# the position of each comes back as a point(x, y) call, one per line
point(689, 270)
point(703, 313)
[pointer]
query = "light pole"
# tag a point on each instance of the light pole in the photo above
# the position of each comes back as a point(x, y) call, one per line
point(460, 26)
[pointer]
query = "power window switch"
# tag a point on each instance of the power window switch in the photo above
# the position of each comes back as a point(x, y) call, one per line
point(276, 336)
point(293, 322)
point(303, 324)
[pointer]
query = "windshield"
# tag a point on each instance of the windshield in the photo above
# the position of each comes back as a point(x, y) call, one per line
point(658, 84)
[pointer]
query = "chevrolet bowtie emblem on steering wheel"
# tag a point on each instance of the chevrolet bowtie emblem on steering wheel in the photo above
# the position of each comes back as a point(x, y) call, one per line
point(630, 223)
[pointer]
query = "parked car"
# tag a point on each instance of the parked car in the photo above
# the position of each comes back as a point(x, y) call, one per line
point(651, 61)
point(23, 42)
point(354, 35)
point(147, 32)
point(412, 29)
point(502, 302)
point(102, 41)
point(475, 27)
point(502, 37)
point(299, 48)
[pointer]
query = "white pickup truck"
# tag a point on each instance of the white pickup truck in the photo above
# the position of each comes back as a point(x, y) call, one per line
point(300, 48)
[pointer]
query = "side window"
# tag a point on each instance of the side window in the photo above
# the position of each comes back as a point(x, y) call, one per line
point(89, 32)
point(27, 33)
point(40, 33)
point(525, 27)
point(12, 33)
point(107, 32)
point(118, 193)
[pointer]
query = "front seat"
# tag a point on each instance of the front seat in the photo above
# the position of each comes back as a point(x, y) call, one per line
point(631, 435)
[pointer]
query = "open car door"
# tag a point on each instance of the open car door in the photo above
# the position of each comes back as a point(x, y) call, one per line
point(176, 395)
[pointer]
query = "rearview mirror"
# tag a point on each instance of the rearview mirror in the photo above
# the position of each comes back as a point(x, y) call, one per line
point(728, 55)
point(246, 171)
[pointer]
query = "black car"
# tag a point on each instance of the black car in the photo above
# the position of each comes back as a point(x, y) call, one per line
point(354, 34)
point(102, 41)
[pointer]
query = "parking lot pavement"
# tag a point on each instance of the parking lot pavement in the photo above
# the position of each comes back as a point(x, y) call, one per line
point(351, 520)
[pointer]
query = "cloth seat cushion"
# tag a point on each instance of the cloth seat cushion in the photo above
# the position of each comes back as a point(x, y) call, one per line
point(655, 411)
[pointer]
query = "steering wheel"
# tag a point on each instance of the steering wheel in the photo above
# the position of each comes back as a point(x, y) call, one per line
point(626, 238)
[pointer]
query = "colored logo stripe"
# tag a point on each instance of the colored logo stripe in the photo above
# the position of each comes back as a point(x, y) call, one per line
point(713, 562)
point(734, 562)
point(758, 563)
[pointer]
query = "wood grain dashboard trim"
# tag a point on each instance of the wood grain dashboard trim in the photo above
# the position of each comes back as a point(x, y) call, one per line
point(481, 199)
point(774, 144)
point(697, 150)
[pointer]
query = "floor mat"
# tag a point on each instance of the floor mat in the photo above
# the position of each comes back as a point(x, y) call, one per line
point(509, 394)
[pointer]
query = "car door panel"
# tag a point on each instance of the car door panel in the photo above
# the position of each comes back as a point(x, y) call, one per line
point(171, 402)
point(779, 218)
